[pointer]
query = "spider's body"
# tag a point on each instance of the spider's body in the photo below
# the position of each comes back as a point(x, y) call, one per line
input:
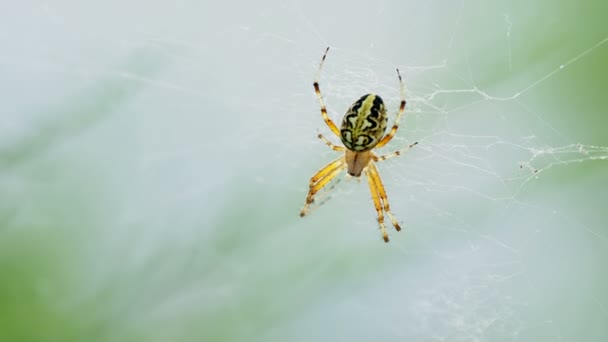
point(364, 123)
point(362, 130)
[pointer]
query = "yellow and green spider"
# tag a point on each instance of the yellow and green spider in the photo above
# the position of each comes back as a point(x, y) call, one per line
point(362, 130)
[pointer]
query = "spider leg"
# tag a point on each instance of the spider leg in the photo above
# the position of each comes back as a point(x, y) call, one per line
point(376, 198)
point(392, 154)
point(380, 199)
point(321, 179)
point(324, 195)
point(332, 126)
point(332, 146)
point(395, 127)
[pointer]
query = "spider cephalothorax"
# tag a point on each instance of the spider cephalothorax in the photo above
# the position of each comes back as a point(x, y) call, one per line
point(362, 130)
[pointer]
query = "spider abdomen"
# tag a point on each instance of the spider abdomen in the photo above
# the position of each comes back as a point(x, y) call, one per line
point(364, 123)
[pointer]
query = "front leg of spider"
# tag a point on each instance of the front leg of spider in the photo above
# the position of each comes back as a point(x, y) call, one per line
point(363, 129)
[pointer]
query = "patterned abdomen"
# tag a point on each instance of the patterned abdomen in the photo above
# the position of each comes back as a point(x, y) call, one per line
point(364, 123)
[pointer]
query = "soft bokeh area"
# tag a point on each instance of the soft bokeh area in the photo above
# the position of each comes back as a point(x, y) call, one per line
point(154, 157)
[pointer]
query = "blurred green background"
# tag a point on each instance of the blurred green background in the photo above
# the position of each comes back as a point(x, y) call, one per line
point(154, 158)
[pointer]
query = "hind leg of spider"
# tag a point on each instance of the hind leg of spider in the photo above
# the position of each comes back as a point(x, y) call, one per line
point(332, 126)
point(373, 171)
point(321, 179)
point(395, 127)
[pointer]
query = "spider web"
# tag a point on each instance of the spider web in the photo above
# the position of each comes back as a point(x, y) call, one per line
point(470, 179)
point(477, 180)
point(185, 149)
point(480, 196)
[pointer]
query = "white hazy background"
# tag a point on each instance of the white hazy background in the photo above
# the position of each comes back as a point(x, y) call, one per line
point(154, 157)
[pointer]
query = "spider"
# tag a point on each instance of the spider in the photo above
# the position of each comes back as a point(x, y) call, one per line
point(362, 130)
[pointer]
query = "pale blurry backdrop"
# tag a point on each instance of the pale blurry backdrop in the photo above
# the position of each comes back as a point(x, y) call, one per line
point(154, 157)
